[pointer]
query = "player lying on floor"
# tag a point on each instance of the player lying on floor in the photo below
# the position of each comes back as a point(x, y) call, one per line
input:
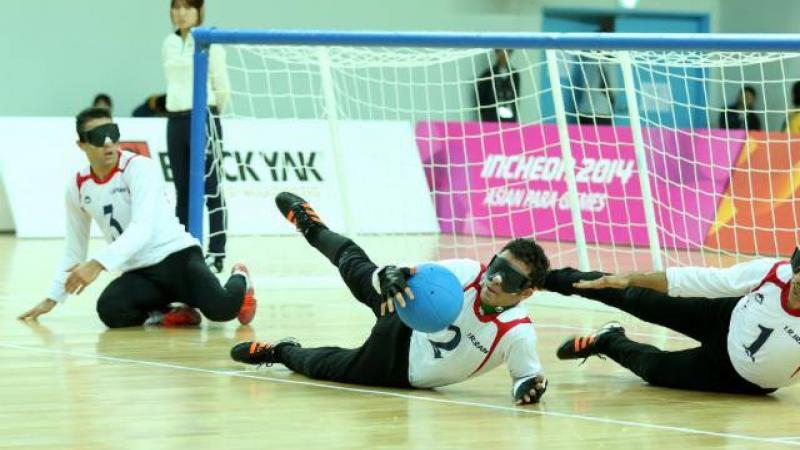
point(491, 329)
point(160, 262)
point(746, 318)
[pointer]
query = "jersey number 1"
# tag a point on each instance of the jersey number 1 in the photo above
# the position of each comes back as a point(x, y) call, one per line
point(753, 348)
point(109, 210)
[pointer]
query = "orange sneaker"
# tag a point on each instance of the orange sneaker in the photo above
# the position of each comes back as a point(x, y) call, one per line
point(298, 211)
point(578, 347)
point(248, 310)
point(258, 353)
point(181, 316)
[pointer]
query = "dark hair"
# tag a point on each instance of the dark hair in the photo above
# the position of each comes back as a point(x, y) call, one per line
point(102, 97)
point(796, 93)
point(529, 252)
point(90, 114)
point(750, 89)
point(196, 4)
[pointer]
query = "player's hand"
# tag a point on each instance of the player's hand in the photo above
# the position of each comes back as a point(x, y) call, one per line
point(531, 391)
point(392, 280)
point(82, 276)
point(44, 307)
point(607, 281)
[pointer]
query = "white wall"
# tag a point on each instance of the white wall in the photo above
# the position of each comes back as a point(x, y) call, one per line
point(56, 54)
point(774, 16)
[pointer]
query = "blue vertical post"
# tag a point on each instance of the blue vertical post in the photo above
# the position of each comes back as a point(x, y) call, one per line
point(197, 156)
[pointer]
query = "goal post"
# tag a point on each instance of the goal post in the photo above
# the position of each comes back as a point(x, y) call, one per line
point(617, 161)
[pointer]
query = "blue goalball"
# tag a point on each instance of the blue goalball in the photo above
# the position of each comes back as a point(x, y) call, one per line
point(438, 298)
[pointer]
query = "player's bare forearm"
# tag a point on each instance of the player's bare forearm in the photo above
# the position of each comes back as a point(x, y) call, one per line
point(656, 281)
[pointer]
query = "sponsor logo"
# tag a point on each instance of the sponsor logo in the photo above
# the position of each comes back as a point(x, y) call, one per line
point(792, 334)
point(258, 166)
point(476, 343)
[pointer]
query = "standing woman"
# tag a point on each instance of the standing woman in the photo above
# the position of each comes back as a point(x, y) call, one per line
point(178, 56)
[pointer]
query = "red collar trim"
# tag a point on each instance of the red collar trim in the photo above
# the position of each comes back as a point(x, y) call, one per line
point(785, 287)
point(476, 305)
point(109, 175)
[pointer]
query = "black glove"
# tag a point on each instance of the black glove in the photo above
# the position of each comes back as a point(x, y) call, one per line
point(534, 388)
point(392, 280)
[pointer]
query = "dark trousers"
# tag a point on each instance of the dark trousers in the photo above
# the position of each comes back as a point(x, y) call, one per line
point(181, 277)
point(178, 144)
point(593, 120)
point(704, 368)
point(383, 359)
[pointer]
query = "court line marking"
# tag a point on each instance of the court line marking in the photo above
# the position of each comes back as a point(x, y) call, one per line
point(513, 409)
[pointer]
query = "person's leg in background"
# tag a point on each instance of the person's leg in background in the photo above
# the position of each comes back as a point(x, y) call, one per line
point(178, 137)
point(214, 197)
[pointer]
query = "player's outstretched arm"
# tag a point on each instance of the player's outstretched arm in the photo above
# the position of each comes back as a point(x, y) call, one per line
point(43, 307)
point(650, 280)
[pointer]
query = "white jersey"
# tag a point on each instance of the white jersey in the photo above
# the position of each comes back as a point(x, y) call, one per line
point(131, 209)
point(764, 334)
point(475, 343)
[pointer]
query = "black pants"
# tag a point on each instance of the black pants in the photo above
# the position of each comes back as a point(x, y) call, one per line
point(593, 120)
point(382, 360)
point(178, 144)
point(181, 277)
point(704, 368)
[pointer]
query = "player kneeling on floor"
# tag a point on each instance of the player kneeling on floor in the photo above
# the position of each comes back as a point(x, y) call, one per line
point(160, 262)
point(490, 328)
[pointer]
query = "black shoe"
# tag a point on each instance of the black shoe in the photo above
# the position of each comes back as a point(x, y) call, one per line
point(260, 352)
point(298, 211)
point(578, 347)
point(215, 263)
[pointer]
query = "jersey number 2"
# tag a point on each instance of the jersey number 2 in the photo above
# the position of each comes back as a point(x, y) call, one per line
point(449, 345)
point(109, 210)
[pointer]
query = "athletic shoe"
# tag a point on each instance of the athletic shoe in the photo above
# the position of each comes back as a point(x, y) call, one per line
point(298, 211)
point(180, 316)
point(578, 347)
point(215, 263)
point(257, 353)
point(248, 310)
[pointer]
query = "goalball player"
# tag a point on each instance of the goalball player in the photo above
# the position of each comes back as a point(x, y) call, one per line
point(491, 328)
point(746, 318)
point(160, 262)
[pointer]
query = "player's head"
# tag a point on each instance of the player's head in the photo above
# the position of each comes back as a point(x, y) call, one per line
point(186, 14)
point(748, 96)
point(796, 93)
point(98, 137)
point(102, 101)
point(795, 262)
point(502, 54)
point(514, 273)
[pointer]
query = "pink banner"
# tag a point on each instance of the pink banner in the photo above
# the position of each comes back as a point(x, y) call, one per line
point(505, 180)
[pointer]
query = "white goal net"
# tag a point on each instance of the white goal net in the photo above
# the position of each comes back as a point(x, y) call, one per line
point(614, 160)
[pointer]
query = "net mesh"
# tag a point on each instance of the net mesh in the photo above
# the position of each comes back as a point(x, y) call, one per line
point(720, 171)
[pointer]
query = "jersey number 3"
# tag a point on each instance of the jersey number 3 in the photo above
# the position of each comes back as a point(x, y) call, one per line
point(109, 210)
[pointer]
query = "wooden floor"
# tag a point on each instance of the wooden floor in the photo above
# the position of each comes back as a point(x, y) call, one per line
point(69, 383)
